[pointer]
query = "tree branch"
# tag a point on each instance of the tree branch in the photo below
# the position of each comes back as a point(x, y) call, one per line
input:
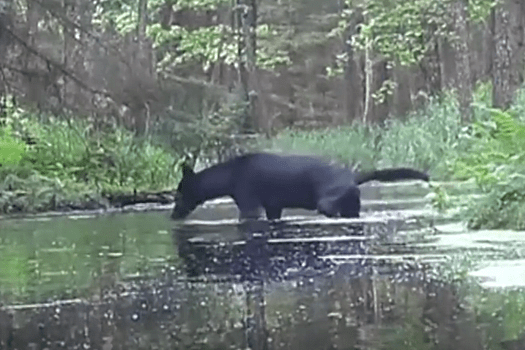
point(67, 22)
point(54, 64)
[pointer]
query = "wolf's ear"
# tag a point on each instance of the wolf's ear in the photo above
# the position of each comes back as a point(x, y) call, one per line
point(187, 170)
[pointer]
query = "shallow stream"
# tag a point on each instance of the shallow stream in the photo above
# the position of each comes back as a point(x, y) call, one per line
point(402, 276)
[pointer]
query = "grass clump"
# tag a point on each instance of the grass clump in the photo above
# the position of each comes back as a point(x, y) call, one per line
point(354, 144)
point(11, 149)
point(429, 139)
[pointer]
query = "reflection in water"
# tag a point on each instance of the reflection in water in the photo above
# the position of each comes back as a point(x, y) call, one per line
point(260, 250)
point(288, 285)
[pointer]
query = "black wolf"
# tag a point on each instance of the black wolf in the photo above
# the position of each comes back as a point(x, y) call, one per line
point(273, 182)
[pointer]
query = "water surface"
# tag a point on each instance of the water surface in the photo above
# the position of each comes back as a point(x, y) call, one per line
point(399, 277)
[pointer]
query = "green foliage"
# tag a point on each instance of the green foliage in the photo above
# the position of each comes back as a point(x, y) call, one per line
point(402, 31)
point(272, 43)
point(119, 15)
point(206, 45)
point(40, 193)
point(502, 208)
point(518, 107)
point(427, 139)
point(71, 162)
point(479, 10)
point(206, 135)
point(113, 159)
point(440, 199)
point(398, 29)
point(178, 46)
point(503, 310)
point(387, 89)
point(496, 160)
point(122, 15)
point(195, 4)
point(12, 150)
point(496, 150)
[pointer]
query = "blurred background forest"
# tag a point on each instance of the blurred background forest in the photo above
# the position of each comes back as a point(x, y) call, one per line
point(152, 64)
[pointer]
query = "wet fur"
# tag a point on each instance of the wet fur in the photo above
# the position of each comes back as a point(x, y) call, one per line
point(271, 182)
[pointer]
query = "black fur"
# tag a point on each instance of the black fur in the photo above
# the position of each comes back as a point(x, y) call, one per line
point(273, 182)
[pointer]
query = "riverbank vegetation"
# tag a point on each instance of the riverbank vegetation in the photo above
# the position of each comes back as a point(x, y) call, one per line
point(490, 150)
point(496, 160)
point(50, 163)
point(59, 164)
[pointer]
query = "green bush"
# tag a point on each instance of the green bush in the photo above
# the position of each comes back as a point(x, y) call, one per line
point(69, 161)
point(113, 159)
point(12, 150)
point(428, 139)
point(502, 208)
point(497, 162)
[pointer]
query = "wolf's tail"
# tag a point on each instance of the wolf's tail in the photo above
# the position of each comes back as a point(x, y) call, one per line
point(392, 174)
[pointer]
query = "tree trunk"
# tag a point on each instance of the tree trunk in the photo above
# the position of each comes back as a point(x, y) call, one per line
point(241, 57)
point(380, 109)
point(143, 15)
point(461, 51)
point(350, 74)
point(256, 99)
point(68, 51)
point(431, 69)
point(6, 14)
point(401, 98)
point(368, 81)
point(507, 31)
point(255, 116)
point(34, 93)
point(353, 88)
point(142, 121)
point(447, 63)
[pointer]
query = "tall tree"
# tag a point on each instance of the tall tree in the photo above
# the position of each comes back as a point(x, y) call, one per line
point(462, 53)
point(247, 50)
point(508, 35)
point(352, 74)
point(239, 24)
point(143, 114)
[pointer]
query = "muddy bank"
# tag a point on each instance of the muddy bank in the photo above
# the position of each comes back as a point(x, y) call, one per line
point(88, 204)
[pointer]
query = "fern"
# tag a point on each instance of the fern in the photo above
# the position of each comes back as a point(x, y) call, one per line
point(496, 162)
